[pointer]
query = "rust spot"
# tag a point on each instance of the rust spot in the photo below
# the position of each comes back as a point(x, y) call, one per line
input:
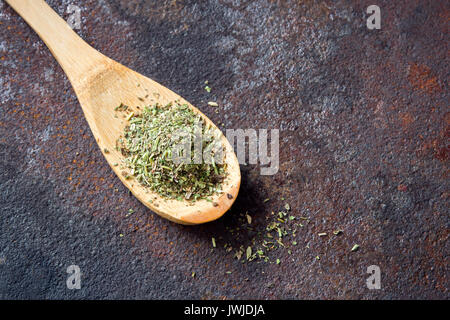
point(441, 153)
point(441, 144)
point(406, 119)
point(421, 78)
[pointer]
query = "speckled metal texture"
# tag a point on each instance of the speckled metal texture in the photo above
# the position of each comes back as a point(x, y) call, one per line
point(364, 128)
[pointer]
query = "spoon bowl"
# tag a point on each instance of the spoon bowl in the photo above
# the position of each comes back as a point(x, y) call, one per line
point(101, 84)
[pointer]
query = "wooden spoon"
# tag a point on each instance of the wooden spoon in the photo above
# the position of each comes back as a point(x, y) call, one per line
point(101, 84)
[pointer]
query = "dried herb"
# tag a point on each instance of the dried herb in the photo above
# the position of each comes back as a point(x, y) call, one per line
point(249, 253)
point(277, 234)
point(121, 107)
point(151, 139)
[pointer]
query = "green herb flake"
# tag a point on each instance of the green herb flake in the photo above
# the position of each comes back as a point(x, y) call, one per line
point(249, 252)
point(213, 242)
point(355, 247)
point(150, 141)
point(129, 116)
point(121, 107)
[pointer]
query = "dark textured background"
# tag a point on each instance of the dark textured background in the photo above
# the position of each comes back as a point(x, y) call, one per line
point(364, 123)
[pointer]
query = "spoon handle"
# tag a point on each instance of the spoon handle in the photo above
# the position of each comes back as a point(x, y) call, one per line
point(75, 56)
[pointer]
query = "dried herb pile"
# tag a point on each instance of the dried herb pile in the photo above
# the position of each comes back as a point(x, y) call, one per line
point(149, 142)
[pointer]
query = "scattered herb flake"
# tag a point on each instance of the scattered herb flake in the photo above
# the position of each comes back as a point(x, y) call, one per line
point(121, 107)
point(129, 116)
point(249, 252)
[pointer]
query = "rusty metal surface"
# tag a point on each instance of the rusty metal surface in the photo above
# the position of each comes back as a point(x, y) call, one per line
point(364, 127)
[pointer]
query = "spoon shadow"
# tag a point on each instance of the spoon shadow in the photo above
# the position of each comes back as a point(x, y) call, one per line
point(234, 228)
